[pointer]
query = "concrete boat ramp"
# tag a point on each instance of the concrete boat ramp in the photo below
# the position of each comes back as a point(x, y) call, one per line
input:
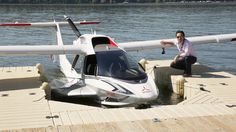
point(209, 104)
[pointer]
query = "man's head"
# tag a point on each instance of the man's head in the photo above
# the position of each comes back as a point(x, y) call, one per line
point(180, 36)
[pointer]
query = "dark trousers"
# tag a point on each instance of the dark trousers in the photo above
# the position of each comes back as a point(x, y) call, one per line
point(185, 64)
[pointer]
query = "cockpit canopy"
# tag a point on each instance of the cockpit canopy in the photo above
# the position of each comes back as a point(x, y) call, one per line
point(111, 61)
point(116, 64)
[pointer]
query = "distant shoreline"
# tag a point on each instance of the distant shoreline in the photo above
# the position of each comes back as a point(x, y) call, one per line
point(137, 4)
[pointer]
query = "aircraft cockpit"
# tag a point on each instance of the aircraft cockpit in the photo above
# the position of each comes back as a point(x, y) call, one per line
point(118, 64)
point(111, 61)
point(115, 64)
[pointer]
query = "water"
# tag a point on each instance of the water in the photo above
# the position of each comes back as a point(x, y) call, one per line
point(128, 23)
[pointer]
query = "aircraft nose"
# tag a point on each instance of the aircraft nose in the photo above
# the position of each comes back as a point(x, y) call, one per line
point(148, 93)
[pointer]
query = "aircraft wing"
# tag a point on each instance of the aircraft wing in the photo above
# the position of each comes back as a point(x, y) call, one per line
point(40, 50)
point(60, 48)
point(152, 44)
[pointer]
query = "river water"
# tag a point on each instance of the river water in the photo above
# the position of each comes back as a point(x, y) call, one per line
point(125, 23)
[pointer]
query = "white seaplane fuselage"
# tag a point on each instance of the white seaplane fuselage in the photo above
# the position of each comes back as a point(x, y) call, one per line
point(107, 73)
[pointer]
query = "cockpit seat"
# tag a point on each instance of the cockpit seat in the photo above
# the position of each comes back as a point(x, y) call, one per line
point(91, 69)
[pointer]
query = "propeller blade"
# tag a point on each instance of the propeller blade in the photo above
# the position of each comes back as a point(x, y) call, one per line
point(75, 61)
point(77, 33)
point(72, 25)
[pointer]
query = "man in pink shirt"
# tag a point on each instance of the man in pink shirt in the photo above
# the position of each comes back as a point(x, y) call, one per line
point(186, 56)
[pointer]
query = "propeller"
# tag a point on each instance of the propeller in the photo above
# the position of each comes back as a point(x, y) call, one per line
point(77, 33)
point(72, 25)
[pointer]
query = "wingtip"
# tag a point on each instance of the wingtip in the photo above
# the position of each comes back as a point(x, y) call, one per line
point(233, 39)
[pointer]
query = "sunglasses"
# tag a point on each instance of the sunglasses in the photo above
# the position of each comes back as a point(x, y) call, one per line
point(179, 36)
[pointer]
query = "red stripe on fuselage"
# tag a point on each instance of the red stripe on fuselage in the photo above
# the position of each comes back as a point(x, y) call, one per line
point(112, 43)
point(16, 24)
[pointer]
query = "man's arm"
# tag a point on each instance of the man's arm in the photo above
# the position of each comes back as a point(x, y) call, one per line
point(164, 43)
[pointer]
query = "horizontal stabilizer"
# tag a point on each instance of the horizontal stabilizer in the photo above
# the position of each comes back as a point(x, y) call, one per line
point(39, 50)
point(46, 24)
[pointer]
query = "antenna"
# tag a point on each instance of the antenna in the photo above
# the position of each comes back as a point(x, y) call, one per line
point(93, 31)
point(53, 18)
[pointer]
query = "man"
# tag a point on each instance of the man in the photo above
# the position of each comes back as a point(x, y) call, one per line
point(186, 56)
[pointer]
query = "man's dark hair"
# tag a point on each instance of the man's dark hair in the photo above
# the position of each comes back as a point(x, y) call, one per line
point(179, 31)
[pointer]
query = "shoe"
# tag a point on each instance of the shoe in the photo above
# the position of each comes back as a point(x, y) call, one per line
point(187, 75)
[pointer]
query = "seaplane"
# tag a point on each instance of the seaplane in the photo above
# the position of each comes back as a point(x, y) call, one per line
point(105, 72)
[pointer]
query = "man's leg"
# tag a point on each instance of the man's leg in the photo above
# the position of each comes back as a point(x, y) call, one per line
point(189, 60)
point(179, 64)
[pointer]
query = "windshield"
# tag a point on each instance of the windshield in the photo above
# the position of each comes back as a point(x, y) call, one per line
point(118, 64)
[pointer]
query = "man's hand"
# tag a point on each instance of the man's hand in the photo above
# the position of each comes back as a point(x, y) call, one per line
point(178, 57)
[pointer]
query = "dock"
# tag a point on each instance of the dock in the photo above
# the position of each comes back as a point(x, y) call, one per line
point(209, 104)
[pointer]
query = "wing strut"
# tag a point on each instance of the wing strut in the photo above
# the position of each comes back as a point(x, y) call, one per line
point(75, 60)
